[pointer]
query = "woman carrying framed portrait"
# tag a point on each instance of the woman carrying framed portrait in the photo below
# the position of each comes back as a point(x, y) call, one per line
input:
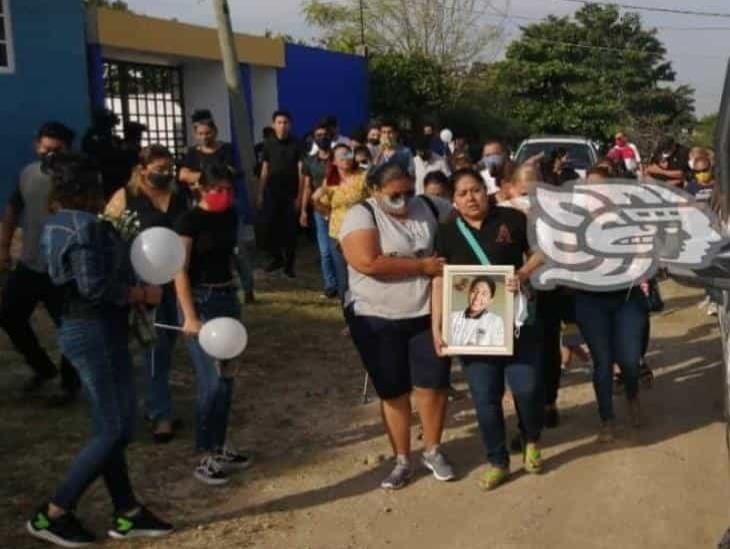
point(490, 239)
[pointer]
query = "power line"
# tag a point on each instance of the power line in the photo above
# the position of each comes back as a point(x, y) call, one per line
point(647, 8)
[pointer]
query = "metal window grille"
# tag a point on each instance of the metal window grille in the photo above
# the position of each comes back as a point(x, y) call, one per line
point(6, 42)
point(151, 95)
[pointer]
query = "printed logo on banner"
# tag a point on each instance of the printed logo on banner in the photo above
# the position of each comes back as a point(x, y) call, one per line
point(607, 236)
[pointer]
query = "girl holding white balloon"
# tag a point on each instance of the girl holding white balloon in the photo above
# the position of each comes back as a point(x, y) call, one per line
point(153, 196)
point(206, 290)
point(89, 260)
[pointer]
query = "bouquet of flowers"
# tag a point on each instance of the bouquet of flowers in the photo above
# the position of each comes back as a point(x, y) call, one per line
point(141, 321)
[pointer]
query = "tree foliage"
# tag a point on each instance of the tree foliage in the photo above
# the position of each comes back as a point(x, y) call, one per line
point(408, 87)
point(704, 132)
point(591, 75)
point(451, 32)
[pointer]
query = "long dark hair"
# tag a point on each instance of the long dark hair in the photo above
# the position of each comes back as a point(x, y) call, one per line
point(77, 183)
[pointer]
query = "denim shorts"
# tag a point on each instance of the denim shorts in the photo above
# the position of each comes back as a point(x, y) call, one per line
point(398, 354)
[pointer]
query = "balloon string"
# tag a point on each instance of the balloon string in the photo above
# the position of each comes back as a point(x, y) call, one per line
point(168, 327)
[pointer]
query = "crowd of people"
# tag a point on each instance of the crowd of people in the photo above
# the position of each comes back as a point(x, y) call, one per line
point(386, 219)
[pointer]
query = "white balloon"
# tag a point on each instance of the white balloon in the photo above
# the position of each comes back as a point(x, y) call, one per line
point(446, 136)
point(157, 255)
point(223, 338)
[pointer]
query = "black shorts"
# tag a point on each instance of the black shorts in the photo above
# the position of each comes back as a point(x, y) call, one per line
point(398, 354)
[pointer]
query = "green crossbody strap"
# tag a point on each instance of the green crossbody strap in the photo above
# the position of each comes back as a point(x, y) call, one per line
point(473, 244)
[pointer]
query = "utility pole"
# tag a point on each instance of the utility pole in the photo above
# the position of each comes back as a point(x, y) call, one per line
point(362, 29)
point(241, 118)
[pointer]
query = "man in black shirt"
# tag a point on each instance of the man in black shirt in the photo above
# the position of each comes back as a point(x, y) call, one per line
point(280, 193)
point(670, 162)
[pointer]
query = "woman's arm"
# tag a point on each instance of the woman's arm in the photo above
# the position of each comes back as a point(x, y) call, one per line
point(306, 199)
point(533, 263)
point(321, 200)
point(191, 322)
point(118, 203)
point(437, 285)
point(362, 252)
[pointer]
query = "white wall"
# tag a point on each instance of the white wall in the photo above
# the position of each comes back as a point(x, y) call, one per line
point(265, 97)
point(205, 88)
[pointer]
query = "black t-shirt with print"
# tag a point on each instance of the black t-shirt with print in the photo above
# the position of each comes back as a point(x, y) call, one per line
point(214, 242)
point(502, 236)
point(195, 159)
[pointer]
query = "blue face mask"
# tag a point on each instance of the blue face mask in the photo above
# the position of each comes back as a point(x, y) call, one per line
point(493, 161)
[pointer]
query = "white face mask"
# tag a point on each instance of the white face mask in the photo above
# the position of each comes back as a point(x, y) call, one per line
point(396, 205)
point(521, 202)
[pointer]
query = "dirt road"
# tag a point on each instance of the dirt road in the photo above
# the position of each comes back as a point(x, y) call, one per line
point(316, 481)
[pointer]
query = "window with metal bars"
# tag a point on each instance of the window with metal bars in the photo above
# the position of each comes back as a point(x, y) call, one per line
point(151, 95)
point(7, 61)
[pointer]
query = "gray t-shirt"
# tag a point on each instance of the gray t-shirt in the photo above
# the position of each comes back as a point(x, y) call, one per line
point(30, 201)
point(412, 237)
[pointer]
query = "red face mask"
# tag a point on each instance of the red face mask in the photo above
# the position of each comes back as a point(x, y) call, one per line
point(218, 200)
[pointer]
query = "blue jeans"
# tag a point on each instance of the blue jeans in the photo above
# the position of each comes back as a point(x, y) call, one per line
point(96, 345)
point(322, 228)
point(214, 391)
point(158, 359)
point(486, 376)
point(614, 326)
point(340, 269)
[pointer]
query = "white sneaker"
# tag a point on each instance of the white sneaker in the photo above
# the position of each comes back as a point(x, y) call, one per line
point(704, 303)
point(712, 309)
point(231, 459)
point(210, 472)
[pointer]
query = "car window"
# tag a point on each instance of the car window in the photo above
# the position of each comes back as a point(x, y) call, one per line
point(579, 154)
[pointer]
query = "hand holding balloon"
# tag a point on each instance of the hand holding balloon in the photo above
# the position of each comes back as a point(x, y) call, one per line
point(223, 338)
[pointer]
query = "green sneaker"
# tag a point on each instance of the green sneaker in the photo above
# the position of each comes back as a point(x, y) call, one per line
point(493, 477)
point(532, 459)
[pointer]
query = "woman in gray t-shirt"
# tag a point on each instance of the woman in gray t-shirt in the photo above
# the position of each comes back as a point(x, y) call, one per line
point(388, 244)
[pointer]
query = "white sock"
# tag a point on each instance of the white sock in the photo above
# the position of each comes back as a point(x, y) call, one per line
point(402, 459)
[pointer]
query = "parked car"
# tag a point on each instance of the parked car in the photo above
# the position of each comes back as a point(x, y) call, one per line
point(582, 152)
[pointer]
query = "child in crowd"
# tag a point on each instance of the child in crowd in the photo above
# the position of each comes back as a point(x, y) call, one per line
point(205, 290)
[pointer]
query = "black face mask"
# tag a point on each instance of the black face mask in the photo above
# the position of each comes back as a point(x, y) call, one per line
point(374, 141)
point(160, 180)
point(323, 143)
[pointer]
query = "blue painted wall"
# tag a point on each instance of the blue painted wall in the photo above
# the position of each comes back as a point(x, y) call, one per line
point(317, 82)
point(49, 82)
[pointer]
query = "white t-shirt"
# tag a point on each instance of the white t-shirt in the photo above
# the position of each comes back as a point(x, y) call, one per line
point(413, 237)
point(485, 331)
point(434, 164)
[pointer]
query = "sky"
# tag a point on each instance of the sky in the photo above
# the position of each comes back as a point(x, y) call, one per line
point(698, 52)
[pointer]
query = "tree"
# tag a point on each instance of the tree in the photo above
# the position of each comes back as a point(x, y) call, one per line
point(592, 75)
point(408, 87)
point(451, 32)
point(704, 132)
point(113, 4)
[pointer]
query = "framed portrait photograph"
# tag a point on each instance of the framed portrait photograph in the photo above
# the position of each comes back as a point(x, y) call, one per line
point(478, 311)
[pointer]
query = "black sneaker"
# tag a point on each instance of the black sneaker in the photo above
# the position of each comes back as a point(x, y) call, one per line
point(61, 400)
point(231, 459)
point(275, 265)
point(64, 531)
point(211, 472)
point(289, 273)
point(142, 525)
point(330, 293)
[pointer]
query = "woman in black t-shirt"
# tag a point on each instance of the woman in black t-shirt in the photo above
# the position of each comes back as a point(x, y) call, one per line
point(502, 235)
point(154, 197)
point(206, 290)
